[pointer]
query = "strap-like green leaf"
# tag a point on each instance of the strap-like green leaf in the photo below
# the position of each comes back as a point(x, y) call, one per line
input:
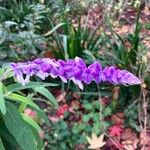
point(39, 141)
point(17, 86)
point(2, 100)
point(47, 94)
point(30, 121)
point(54, 29)
point(19, 98)
point(1, 145)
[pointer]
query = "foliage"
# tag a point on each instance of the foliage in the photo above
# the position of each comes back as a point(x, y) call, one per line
point(17, 129)
point(73, 40)
point(21, 29)
point(71, 126)
point(132, 116)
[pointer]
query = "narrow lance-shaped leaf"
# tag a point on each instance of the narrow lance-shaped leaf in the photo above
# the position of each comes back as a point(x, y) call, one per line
point(2, 100)
point(30, 121)
point(22, 99)
point(39, 141)
point(47, 94)
point(16, 86)
point(54, 29)
point(1, 145)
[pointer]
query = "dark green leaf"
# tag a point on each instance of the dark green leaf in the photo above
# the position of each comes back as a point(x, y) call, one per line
point(1, 145)
point(7, 136)
point(18, 128)
point(2, 100)
point(38, 139)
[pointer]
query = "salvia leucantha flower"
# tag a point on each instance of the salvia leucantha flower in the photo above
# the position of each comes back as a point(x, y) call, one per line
point(72, 69)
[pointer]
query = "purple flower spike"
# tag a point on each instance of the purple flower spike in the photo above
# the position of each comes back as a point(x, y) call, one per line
point(72, 69)
point(116, 76)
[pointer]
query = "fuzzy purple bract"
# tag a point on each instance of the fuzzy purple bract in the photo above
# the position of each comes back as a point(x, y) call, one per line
point(72, 69)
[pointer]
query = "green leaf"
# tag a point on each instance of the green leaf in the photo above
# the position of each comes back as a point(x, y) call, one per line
point(5, 11)
point(47, 94)
point(1, 145)
point(44, 117)
point(39, 141)
point(19, 98)
point(54, 29)
point(18, 128)
point(22, 107)
point(1, 72)
point(6, 135)
point(65, 46)
point(91, 56)
point(17, 86)
point(2, 100)
point(88, 106)
point(108, 111)
point(85, 118)
point(31, 122)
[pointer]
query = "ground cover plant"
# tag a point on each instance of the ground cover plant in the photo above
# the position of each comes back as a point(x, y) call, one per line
point(74, 74)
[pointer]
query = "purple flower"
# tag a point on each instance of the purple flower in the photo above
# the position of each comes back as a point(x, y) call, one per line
point(96, 72)
point(80, 63)
point(23, 71)
point(116, 76)
point(87, 76)
point(72, 69)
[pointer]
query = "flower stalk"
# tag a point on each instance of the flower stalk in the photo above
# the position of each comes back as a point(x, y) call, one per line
point(72, 69)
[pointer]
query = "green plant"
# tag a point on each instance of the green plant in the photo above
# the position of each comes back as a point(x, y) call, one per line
point(21, 45)
point(75, 42)
point(118, 53)
point(21, 29)
point(79, 120)
point(122, 55)
point(17, 129)
point(131, 113)
point(72, 39)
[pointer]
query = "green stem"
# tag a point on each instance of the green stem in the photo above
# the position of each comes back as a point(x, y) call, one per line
point(100, 104)
point(22, 107)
